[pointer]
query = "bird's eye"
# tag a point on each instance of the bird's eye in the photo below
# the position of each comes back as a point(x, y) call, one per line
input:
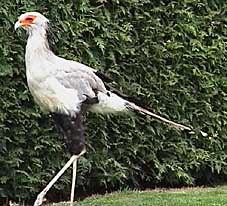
point(29, 19)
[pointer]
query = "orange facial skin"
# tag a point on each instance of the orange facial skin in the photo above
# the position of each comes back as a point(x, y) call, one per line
point(27, 20)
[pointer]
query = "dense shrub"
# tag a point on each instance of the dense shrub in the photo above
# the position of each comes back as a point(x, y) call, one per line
point(169, 54)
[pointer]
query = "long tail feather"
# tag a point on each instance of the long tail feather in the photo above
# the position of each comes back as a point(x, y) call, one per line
point(113, 101)
point(172, 123)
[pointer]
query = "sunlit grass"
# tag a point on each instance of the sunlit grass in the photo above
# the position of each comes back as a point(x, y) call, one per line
point(174, 197)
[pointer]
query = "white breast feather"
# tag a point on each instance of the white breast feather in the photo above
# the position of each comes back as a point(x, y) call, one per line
point(52, 96)
point(67, 99)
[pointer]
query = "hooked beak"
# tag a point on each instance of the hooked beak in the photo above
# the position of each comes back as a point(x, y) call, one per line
point(25, 21)
point(17, 25)
point(22, 23)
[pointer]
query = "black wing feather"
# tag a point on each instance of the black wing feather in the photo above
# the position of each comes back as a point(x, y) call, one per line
point(106, 79)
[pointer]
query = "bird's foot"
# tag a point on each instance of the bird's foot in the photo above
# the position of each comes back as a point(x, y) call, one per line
point(39, 199)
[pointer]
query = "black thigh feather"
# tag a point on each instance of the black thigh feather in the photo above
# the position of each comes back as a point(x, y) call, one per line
point(72, 130)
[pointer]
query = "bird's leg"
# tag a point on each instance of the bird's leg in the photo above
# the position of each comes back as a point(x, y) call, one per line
point(39, 199)
point(73, 182)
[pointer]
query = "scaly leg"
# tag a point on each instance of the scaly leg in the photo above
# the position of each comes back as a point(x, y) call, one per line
point(39, 199)
point(73, 182)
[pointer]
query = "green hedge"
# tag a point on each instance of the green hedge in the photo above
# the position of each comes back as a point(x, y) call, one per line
point(169, 54)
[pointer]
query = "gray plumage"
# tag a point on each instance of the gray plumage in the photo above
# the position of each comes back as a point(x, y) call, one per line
point(62, 87)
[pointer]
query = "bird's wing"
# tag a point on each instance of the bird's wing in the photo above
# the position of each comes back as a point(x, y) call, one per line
point(106, 79)
point(84, 82)
point(103, 76)
point(75, 75)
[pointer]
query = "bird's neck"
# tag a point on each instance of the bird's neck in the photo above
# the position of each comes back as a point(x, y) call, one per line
point(37, 42)
point(38, 54)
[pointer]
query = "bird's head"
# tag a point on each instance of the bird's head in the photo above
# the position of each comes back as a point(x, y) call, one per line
point(31, 21)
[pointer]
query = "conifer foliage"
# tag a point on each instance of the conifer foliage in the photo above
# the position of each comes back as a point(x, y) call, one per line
point(169, 54)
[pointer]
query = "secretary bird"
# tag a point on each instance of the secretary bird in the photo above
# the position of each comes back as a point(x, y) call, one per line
point(66, 89)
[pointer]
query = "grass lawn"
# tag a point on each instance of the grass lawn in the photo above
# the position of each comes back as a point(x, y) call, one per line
point(173, 197)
